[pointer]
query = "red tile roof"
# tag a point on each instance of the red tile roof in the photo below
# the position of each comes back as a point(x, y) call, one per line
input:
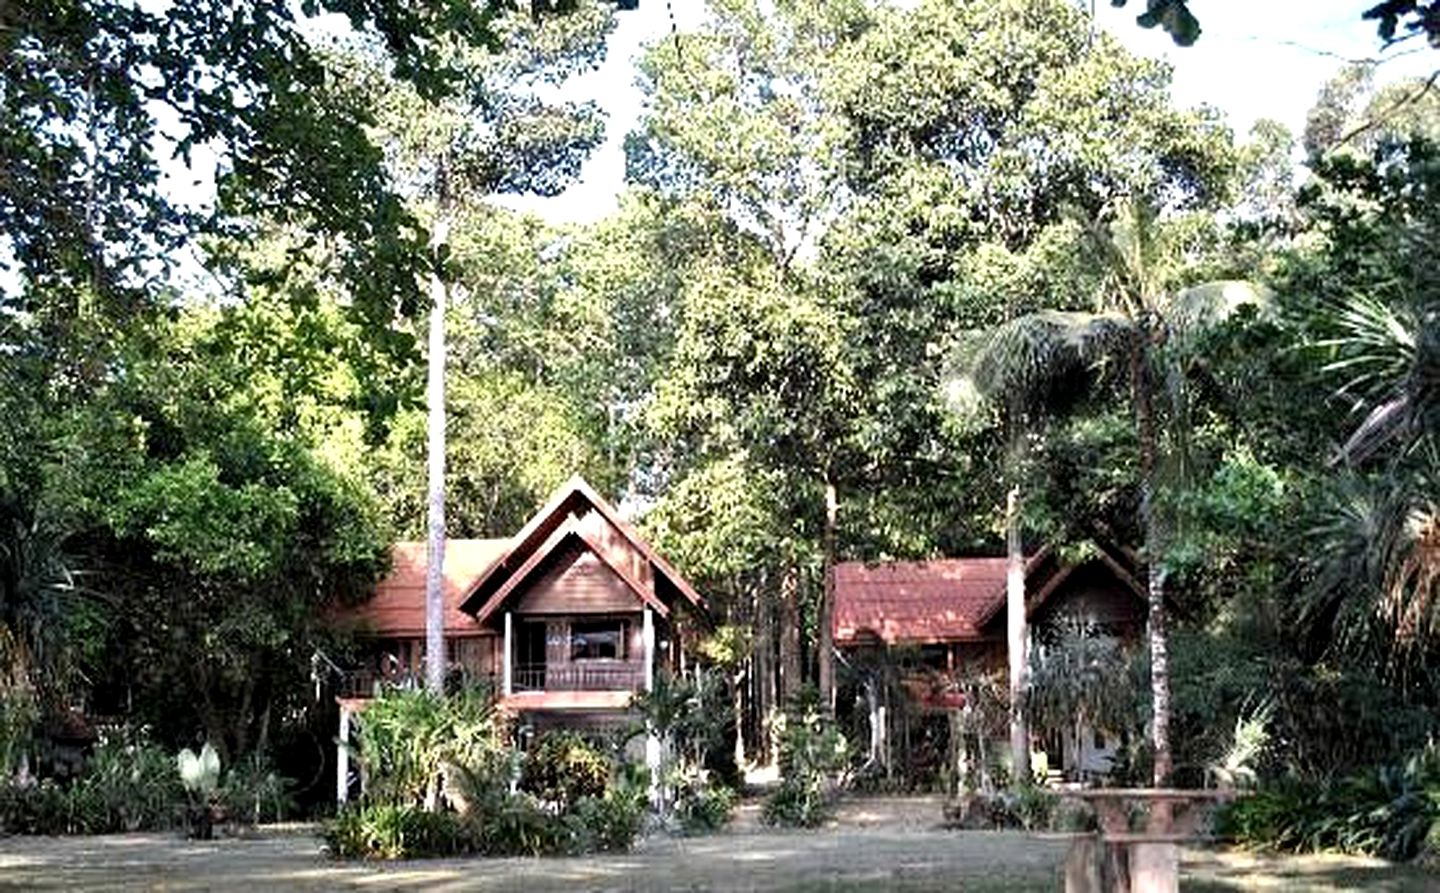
point(916, 602)
point(398, 608)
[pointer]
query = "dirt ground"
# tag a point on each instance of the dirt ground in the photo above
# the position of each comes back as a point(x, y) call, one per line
point(875, 844)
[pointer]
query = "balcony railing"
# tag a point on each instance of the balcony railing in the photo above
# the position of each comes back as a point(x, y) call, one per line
point(363, 683)
point(581, 676)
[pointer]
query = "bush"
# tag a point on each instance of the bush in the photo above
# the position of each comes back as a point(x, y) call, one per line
point(1386, 812)
point(1026, 807)
point(812, 751)
point(254, 792)
point(701, 806)
point(606, 824)
point(390, 831)
point(563, 767)
point(407, 738)
point(129, 784)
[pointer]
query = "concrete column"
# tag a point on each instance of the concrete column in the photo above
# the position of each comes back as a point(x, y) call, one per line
point(342, 758)
point(1082, 866)
point(648, 637)
point(1154, 868)
point(509, 652)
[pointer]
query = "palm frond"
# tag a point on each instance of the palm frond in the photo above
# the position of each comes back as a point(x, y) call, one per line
point(1040, 362)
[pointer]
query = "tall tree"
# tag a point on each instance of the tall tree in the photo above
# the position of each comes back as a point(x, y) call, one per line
point(493, 133)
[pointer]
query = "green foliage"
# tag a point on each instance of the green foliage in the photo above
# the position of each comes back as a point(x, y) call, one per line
point(1026, 806)
point(255, 792)
point(395, 831)
point(812, 753)
point(562, 768)
point(1387, 811)
point(129, 784)
point(410, 739)
point(699, 802)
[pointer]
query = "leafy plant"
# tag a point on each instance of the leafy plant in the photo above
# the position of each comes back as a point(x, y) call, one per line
point(812, 754)
point(129, 784)
point(1387, 811)
point(563, 767)
point(255, 791)
point(700, 804)
point(395, 831)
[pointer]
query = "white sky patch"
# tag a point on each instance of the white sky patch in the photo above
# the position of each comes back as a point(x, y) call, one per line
point(1254, 60)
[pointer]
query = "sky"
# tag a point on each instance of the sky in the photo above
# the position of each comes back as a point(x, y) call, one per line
point(1255, 59)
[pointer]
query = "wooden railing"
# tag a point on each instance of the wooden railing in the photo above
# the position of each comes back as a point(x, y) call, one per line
point(581, 676)
point(360, 684)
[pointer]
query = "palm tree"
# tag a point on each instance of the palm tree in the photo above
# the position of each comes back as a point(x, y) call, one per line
point(1032, 368)
point(435, 455)
point(1036, 362)
point(1381, 528)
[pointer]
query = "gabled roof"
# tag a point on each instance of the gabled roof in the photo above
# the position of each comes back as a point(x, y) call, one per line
point(570, 530)
point(916, 602)
point(944, 600)
point(398, 606)
point(554, 525)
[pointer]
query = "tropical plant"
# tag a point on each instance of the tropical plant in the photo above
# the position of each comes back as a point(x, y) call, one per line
point(562, 767)
point(255, 791)
point(1387, 811)
point(812, 755)
point(413, 743)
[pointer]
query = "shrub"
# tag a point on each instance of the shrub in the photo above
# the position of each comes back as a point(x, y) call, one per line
point(563, 767)
point(1386, 812)
point(1026, 807)
point(700, 804)
point(391, 831)
point(605, 824)
point(255, 792)
point(797, 803)
point(811, 752)
point(129, 784)
point(517, 825)
point(407, 738)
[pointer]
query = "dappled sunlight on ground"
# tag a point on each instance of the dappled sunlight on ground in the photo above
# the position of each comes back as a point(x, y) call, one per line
point(874, 844)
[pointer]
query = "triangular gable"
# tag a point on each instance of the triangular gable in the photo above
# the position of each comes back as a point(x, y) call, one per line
point(556, 523)
point(1035, 599)
point(567, 533)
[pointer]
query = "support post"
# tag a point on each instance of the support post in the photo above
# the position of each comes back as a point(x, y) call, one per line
point(509, 651)
point(648, 638)
point(342, 758)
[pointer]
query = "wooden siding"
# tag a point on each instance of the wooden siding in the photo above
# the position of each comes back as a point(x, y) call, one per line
point(577, 582)
point(1092, 595)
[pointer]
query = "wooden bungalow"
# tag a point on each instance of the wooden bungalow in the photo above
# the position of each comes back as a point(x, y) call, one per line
point(940, 623)
point(568, 619)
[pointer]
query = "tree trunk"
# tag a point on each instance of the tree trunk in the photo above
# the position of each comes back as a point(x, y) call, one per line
point(1155, 571)
point(1017, 638)
point(825, 620)
point(435, 446)
point(762, 675)
point(790, 659)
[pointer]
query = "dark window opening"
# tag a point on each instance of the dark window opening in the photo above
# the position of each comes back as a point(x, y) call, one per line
point(598, 640)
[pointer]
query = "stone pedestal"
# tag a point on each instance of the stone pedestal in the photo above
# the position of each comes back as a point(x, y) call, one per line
point(1154, 868)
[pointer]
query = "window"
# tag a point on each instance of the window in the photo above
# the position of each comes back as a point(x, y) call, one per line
point(598, 640)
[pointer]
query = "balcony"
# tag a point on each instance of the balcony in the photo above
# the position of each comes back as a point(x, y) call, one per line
point(579, 676)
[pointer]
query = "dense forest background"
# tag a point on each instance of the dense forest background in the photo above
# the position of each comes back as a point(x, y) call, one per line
point(214, 417)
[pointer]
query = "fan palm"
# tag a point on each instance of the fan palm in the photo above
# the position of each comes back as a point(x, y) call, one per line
point(1382, 527)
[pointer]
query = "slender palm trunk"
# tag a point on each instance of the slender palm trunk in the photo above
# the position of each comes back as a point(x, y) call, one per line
point(1017, 637)
point(435, 464)
point(827, 602)
point(1155, 570)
